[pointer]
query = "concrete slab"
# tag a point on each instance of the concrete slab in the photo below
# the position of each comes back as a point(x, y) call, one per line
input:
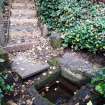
point(26, 68)
point(76, 68)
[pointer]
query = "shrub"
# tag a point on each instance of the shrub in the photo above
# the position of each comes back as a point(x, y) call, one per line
point(48, 9)
point(88, 32)
point(4, 87)
point(98, 81)
point(1, 5)
point(81, 22)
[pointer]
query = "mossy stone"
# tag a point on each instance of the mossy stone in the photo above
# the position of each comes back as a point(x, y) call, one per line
point(3, 54)
point(56, 43)
point(4, 59)
point(55, 40)
point(54, 62)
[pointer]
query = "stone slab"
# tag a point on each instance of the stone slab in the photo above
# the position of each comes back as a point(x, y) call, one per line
point(75, 68)
point(39, 100)
point(23, 12)
point(22, 21)
point(19, 47)
point(22, 5)
point(26, 68)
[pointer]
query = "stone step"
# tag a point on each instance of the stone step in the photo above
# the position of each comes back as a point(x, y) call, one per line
point(75, 68)
point(23, 1)
point(26, 68)
point(20, 36)
point(23, 26)
point(23, 21)
point(19, 47)
point(17, 34)
point(23, 5)
point(23, 12)
point(23, 16)
point(23, 36)
point(26, 28)
point(21, 40)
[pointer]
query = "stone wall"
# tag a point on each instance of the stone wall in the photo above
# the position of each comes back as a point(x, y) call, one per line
point(4, 24)
point(2, 36)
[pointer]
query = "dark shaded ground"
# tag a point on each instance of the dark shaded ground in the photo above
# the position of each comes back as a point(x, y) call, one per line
point(87, 94)
point(4, 24)
point(98, 59)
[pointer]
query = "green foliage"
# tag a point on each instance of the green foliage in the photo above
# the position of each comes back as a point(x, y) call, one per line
point(81, 22)
point(48, 13)
point(1, 5)
point(99, 82)
point(54, 62)
point(4, 87)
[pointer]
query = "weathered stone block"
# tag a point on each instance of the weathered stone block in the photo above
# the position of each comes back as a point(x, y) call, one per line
point(4, 59)
point(76, 69)
point(39, 100)
point(55, 40)
point(26, 68)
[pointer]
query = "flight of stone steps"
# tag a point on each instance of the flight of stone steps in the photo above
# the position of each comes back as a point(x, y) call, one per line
point(28, 49)
point(23, 25)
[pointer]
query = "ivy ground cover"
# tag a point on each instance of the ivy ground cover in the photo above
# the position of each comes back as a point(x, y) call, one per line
point(81, 22)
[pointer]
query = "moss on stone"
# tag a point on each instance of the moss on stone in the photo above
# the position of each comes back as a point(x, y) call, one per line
point(56, 43)
point(54, 62)
point(4, 57)
point(49, 103)
point(4, 54)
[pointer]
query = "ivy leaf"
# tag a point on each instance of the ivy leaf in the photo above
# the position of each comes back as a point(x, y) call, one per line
point(2, 60)
point(100, 88)
point(65, 45)
point(89, 103)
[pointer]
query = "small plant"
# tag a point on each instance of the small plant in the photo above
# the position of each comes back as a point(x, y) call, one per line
point(54, 62)
point(2, 5)
point(5, 88)
point(99, 82)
